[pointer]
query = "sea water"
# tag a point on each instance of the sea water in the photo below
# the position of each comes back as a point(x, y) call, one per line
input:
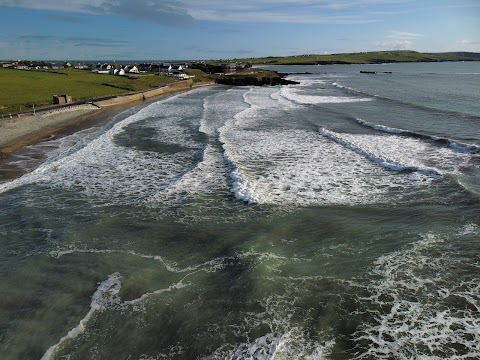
point(334, 219)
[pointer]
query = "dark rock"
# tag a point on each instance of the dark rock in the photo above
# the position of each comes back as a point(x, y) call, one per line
point(256, 79)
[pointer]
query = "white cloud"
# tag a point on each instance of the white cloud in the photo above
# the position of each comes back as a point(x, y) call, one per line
point(297, 17)
point(469, 42)
point(170, 12)
point(182, 12)
point(398, 40)
point(394, 45)
point(286, 11)
point(468, 45)
point(403, 35)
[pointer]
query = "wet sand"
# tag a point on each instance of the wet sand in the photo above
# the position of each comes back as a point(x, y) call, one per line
point(16, 134)
point(25, 130)
point(25, 137)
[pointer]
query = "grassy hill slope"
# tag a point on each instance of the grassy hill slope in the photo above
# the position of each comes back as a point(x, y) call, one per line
point(364, 58)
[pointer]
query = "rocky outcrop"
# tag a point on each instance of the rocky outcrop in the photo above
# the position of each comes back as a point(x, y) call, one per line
point(262, 78)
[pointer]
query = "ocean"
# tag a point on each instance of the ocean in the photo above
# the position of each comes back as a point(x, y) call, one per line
point(334, 219)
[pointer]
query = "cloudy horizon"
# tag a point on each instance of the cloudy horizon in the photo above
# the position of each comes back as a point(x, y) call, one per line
point(208, 29)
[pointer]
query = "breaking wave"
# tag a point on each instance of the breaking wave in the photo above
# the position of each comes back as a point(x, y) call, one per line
point(454, 145)
point(418, 309)
point(388, 163)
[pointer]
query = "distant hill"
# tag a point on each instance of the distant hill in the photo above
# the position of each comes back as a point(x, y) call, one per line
point(462, 54)
point(376, 57)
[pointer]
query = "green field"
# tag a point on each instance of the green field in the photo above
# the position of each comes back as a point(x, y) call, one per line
point(20, 89)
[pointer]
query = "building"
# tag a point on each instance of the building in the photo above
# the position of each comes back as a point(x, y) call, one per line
point(61, 99)
point(134, 70)
point(230, 67)
point(144, 67)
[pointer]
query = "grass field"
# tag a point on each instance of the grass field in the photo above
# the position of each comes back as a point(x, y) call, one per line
point(20, 89)
point(362, 58)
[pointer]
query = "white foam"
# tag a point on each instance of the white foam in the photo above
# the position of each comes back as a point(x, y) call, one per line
point(418, 309)
point(248, 150)
point(136, 302)
point(308, 82)
point(383, 128)
point(103, 296)
point(106, 297)
point(341, 86)
point(285, 340)
point(269, 256)
point(269, 347)
point(404, 153)
point(220, 108)
point(114, 173)
point(207, 266)
point(284, 166)
point(58, 253)
point(297, 167)
point(284, 337)
point(468, 229)
point(374, 149)
point(283, 102)
point(452, 144)
point(208, 177)
point(298, 96)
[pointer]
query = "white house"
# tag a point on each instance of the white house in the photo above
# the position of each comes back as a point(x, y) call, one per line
point(166, 68)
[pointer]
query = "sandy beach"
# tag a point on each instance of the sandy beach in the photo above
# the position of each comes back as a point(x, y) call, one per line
point(17, 132)
point(24, 130)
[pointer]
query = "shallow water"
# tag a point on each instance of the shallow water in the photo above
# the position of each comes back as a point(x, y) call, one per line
point(336, 219)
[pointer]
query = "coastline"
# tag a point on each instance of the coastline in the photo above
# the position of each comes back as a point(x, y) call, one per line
point(18, 132)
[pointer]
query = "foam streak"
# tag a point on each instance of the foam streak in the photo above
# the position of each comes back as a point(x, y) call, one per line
point(452, 144)
point(381, 161)
point(104, 294)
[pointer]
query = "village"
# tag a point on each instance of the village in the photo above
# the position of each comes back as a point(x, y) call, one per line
point(124, 69)
point(44, 83)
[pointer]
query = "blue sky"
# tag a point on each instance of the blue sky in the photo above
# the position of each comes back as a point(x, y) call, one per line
point(213, 29)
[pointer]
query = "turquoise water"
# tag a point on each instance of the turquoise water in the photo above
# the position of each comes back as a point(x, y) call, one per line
point(335, 219)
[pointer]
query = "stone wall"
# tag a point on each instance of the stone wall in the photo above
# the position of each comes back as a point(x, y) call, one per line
point(166, 89)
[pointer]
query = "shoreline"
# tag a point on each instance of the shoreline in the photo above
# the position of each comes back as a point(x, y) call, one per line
point(18, 132)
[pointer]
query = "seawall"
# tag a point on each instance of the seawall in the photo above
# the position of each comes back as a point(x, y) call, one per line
point(163, 90)
point(27, 129)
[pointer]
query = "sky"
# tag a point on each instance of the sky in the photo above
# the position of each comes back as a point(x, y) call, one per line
point(223, 29)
